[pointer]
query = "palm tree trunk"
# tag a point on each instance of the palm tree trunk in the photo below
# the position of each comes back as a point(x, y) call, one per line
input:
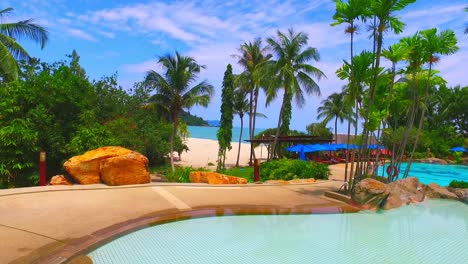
point(254, 118)
point(347, 157)
point(421, 122)
point(354, 173)
point(241, 116)
point(336, 124)
point(250, 125)
point(175, 121)
point(275, 140)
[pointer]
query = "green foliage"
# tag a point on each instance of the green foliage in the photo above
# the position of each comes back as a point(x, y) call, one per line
point(243, 172)
point(192, 120)
point(288, 169)
point(180, 174)
point(18, 153)
point(319, 130)
point(457, 157)
point(227, 115)
point(458, 184)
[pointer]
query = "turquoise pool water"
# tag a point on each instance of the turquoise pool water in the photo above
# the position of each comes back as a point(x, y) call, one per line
point(440, 174)
point(431, 232)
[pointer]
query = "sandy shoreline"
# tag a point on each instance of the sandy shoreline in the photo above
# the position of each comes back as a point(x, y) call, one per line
point(202, 152)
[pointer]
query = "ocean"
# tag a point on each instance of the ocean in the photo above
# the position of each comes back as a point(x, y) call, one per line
point(210, 132)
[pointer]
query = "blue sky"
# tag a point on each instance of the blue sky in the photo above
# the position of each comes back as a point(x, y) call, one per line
point(127, 37)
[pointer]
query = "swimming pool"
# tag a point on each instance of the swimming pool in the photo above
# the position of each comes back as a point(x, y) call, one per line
point(435, 231)
point(440, 174)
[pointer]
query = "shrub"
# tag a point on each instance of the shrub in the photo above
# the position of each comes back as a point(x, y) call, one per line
point(458, 184)
point(288, 169)
point(181, 174)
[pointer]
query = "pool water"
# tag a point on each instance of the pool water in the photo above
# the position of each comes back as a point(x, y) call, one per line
point(440, 174)
point(435, 231)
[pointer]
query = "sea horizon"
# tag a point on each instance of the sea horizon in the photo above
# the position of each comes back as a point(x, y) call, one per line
point(207, 132)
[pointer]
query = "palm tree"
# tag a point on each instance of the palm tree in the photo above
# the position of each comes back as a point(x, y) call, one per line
point(241, 106)
point(10, 50)
point(433, 45)
point(291, 72)
point(359, 74)
point(348, 13)
point(252, 58)
point(334, 107)
point(384, 14)
point(174, 91)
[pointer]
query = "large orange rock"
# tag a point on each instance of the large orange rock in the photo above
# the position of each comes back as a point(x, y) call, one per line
point(131, 168)
point(214, 178)
point(86, 168)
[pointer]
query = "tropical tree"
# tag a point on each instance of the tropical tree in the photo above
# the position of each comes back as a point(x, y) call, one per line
point(384, 15)
point(433, 46)
point(10, 50)
point(227, 115)
point(174, 90)
point(334, 107)
point(253, 57)
point(241, 107)
point(292, 73)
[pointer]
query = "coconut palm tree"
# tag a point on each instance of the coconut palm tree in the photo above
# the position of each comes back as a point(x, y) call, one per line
point(334, 107)
point(10, 50)
point(174, 90)
point(292, 73)
point(252, 58)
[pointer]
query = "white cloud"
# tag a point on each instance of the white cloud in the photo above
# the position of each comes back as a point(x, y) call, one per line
point(107, 34)
point(141, 67)
point(81, 34)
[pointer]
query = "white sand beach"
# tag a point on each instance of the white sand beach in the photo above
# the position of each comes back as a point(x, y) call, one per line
point(204, 151)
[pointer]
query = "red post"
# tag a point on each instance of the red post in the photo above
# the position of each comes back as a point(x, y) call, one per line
point(42, 168)
point(256, 171)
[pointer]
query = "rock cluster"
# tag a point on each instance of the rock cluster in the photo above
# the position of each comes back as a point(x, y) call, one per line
point(110, 165)
point(214, 178)
point(372, 194)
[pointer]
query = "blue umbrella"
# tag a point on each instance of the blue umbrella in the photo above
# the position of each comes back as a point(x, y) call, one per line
point(458, 149)
point(317, 147)
point(301, 149)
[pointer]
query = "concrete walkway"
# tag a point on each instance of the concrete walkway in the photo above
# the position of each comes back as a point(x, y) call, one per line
point(54, 223)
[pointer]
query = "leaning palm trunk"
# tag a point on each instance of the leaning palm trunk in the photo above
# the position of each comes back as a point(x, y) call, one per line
point(421, 122)
point(241, 116)
point(275, 140)
point(353, 153)
point(348, 157)
point(372, 89)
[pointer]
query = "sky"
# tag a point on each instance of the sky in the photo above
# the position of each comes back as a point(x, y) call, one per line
point(126, 37)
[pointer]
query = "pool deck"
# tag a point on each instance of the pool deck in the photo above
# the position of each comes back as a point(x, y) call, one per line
point(52, 224)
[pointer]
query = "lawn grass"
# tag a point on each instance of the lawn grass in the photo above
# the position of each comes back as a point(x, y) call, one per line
point(243, 172)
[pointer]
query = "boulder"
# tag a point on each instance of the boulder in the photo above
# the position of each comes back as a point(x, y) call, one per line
point(404, 192)
point(214, 178)
point(131, 168)
point(59, 180)
point(462, 194)
point(86, 168)
point(433, 190)
point(369, 193)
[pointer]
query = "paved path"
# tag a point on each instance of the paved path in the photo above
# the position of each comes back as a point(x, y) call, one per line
point(51, 224)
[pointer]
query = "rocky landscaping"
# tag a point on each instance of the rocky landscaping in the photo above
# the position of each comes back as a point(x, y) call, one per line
point(373, 194)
